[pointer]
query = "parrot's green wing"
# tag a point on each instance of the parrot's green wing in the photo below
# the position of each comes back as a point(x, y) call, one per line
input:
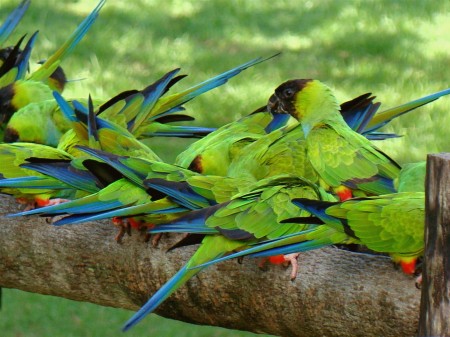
point(40, 122)
point(240, 222)
point(213, 153)
point(412, 177)
point(279, 152)
point(13, 156)
point(341, 156)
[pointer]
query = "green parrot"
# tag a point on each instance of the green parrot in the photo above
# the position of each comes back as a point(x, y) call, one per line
point(391, 223)
point(225, 151)
point(20, 179)
point(144, 113)
point(236, 224)
point(16, 91)
point(412, 177)
point(339, 155)
point(214, 153)
point(167, 188)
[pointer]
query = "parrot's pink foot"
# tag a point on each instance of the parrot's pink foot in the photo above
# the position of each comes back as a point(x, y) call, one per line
point(286, 260)
point(419, 282)
point(143, 227)
point(29, 204)
point(155, 239)
point(52, 219)
point(292, 260)
point(55, 201)
point(124, 227)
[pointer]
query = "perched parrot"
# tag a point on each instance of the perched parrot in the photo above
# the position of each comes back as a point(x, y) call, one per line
point(214, 153)
point(391, 223)
point(227, 146)
point(144, 113)
point(16, 91)
point(23, 181)
point(168, 189)
point(412, 177)
point(236, 224)
point(339, 155)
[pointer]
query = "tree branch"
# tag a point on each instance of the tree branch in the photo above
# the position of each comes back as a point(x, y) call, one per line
point(337, 293)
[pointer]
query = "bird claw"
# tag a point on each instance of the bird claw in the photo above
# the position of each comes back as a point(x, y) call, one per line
point(29, 204)
point(291, 259)
point(262, 264)
point(419, 282)
point(123, 228)
point(155, 239)
point(56, 201)
point(285, 260)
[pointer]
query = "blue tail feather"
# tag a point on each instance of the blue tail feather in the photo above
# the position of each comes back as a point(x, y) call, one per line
point(165, 291)
point(23, 61)
point(180, 191)
point(12, 20)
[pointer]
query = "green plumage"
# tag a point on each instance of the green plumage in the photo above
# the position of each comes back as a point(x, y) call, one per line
point(392, 223)
point(214, 153)
point(339, 155)
point(412, 177)
point(12, 156)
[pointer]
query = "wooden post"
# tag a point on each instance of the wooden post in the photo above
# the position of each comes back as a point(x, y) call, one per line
point(435, 301)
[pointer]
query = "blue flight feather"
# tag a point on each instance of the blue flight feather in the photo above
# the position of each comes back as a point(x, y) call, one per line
point(278, 121)
point(162, 293)
point(179, 191)
point(12, 20)
point(23, 60)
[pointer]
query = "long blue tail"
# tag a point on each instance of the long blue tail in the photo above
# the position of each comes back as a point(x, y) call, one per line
point(12, 20)
point(165, 291)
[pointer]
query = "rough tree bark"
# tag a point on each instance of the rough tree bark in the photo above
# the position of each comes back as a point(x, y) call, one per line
point(337, 293)
point(435, 302)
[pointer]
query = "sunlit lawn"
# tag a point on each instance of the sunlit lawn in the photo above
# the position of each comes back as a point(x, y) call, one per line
point(398, 50)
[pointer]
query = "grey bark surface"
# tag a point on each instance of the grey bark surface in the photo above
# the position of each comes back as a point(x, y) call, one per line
point(435, 302)
point(336, 293)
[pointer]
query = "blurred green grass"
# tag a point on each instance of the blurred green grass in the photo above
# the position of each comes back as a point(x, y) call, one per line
point(31, 315)
point(398, 50)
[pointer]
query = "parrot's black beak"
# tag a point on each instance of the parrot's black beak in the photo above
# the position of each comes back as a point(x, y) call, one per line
point(273, 104)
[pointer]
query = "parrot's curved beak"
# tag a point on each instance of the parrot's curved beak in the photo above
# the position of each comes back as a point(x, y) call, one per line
point(273, 105)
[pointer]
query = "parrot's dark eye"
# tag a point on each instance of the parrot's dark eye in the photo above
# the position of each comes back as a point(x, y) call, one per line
point(288, 93)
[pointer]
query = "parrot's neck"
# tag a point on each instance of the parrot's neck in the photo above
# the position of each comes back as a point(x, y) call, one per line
point(318, 106)
point(28, 91)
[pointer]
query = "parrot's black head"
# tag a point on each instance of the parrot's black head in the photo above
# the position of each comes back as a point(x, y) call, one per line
point(6, 107)
point(5, 52)
point(10, 135)
point(9, 58)
point(57, 79)
point(283, 99)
